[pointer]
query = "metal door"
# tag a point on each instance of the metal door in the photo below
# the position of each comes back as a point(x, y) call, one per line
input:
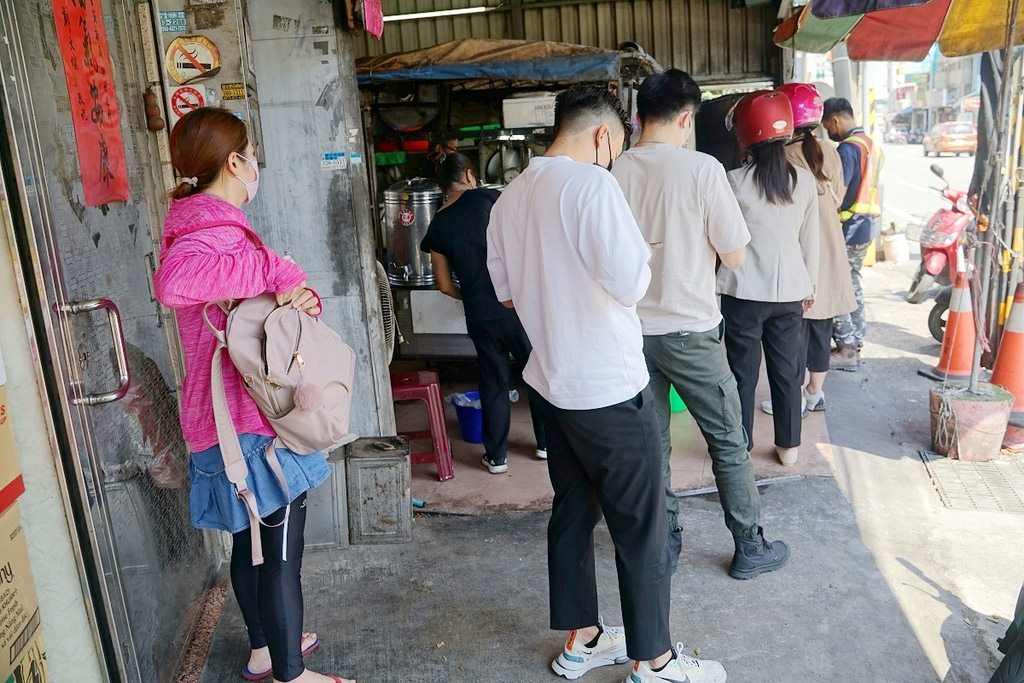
point(112, 376)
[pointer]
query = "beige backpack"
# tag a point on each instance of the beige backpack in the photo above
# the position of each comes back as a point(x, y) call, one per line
point(300, 374)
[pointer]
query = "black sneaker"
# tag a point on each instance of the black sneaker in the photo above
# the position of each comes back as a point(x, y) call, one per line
point(494, 467)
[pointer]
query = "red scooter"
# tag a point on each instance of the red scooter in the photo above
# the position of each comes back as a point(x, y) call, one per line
point(940, 241)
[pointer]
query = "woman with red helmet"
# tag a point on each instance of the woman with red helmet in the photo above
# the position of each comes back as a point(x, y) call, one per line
point(834, 295)
point(764, 300)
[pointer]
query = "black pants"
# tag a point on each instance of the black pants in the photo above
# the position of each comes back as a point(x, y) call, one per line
point(270, 595)
point(779, 329)
point(819, 344)
point(609, 461)
point(495, 341)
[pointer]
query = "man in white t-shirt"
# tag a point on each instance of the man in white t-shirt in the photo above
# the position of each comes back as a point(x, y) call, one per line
point(688, 213)
point(564, 249)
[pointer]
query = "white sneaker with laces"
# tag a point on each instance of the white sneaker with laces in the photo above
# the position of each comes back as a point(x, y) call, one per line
point(577, 659)
point(682, 669)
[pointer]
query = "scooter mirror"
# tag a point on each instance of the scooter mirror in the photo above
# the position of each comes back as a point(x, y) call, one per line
point(937, 170)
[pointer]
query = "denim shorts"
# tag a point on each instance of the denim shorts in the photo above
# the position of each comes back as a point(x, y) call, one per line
point(212, 497)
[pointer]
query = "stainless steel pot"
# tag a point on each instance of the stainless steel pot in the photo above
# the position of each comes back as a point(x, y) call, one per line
point(409, 207)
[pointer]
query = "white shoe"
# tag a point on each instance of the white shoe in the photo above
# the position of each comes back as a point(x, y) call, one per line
point(766, 406)
point(541, 454)
point(494, 467)
point(788, 456)
point(682, 669)
point(815, 402)
point(577, 659)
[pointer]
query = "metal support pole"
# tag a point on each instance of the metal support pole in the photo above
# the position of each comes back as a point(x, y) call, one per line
point(841, 72)
point(1001, 118)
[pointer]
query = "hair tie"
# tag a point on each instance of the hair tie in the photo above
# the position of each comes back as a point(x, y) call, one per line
point(193, 181)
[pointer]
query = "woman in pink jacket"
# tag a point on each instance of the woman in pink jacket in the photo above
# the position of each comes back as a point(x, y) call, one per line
point(210, 253)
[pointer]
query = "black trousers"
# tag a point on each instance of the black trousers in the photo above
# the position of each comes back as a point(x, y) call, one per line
point(270, 595)
point(495, 342)
point(779, 329)
point(608, 461)
point(819, 344)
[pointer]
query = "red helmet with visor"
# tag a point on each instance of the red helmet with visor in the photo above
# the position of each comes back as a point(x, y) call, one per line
point(761, 116)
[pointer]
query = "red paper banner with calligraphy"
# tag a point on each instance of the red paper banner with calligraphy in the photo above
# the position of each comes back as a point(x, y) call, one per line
point(93, 100)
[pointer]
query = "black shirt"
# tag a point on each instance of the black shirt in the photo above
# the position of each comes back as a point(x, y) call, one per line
point(459, 233)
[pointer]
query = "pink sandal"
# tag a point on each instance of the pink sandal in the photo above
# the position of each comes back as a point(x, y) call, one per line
point(259, 676)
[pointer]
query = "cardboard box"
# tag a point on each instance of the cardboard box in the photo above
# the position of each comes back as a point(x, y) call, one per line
point(32, 666)
point(533, 111)
point(20, 623)
point(11, 483)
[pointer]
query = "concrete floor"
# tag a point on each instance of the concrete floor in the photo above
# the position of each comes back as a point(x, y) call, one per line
point(525, 487)
point(467, 601)
point(885, 584)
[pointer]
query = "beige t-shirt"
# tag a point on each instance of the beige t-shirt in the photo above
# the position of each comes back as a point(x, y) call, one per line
point(688, 214)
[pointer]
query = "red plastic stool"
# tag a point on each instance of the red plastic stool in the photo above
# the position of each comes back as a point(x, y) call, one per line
point(425, 386)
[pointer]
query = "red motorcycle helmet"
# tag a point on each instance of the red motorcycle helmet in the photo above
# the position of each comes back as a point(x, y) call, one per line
point(761, 116)
point(807, 104)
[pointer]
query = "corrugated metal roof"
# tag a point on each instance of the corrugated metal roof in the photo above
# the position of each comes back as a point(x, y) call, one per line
point(707, 38)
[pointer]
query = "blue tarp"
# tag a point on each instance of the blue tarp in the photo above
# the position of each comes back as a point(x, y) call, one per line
point(549, 70)
point(493, 60)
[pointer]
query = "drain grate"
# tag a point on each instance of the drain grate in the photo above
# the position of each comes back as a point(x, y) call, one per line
point(994, 486)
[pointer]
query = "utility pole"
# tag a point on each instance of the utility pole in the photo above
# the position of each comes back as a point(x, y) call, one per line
point(841, 72)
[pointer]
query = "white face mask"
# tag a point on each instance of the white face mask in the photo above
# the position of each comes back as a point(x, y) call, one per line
point(253, 185)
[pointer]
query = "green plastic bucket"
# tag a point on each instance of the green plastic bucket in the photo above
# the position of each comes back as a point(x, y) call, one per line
point(675, 403)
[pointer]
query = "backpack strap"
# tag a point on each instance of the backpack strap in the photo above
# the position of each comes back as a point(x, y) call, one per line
point(231, 452)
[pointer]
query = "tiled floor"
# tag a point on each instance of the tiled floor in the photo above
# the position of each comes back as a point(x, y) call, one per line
point(526, 487)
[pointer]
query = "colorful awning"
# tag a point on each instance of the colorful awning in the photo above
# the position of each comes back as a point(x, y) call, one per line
point(899, 30)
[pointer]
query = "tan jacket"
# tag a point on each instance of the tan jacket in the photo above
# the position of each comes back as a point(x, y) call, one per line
point(834, 295)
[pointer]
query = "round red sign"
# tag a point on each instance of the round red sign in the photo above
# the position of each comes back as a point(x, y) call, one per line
point(406, 217)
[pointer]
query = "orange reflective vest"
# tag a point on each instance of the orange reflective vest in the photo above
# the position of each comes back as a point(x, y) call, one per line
point(866, 202)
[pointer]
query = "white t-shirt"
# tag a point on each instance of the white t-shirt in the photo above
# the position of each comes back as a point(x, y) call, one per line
point(563, 246)
point(688, 213)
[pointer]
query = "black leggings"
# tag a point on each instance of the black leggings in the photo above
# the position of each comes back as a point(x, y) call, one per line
point(270, 595)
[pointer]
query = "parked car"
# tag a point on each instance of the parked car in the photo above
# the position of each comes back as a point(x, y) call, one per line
point(951, 137)
point(895, 136)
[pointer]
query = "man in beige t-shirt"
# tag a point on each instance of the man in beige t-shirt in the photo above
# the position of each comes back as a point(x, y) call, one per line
point(689, 216)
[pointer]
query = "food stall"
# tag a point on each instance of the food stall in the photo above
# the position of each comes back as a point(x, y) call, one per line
point(496, 99)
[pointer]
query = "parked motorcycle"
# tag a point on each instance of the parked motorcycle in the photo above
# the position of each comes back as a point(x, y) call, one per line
point(940, 241)
point(939, 313)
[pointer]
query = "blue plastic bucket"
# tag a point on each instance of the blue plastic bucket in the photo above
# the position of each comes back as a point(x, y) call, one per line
point(471, 420)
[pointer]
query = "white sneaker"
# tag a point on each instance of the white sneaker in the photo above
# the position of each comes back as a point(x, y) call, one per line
point(766, 406)
point(541, 454)
point(815, 402)
point(682, 669)
point(494, 467)
point(577, 659)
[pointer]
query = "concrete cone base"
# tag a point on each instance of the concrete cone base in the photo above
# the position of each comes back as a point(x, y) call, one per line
point(969, 426)
point(938, 376)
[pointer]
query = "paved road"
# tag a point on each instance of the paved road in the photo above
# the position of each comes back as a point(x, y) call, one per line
point(907, 195)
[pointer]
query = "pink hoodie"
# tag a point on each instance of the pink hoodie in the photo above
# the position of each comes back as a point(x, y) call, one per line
point(209, 253)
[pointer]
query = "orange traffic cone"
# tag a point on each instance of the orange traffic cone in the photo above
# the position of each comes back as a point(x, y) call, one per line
point(957, 355)
point(1008, 371)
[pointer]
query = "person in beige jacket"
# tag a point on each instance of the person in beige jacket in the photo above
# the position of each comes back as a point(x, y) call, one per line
point(834, 295)
point(763, 301)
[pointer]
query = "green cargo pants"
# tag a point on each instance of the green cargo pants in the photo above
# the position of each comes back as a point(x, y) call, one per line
point(695, 364)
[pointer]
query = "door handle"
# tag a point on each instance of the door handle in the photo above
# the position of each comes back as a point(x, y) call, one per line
point(124, 377)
